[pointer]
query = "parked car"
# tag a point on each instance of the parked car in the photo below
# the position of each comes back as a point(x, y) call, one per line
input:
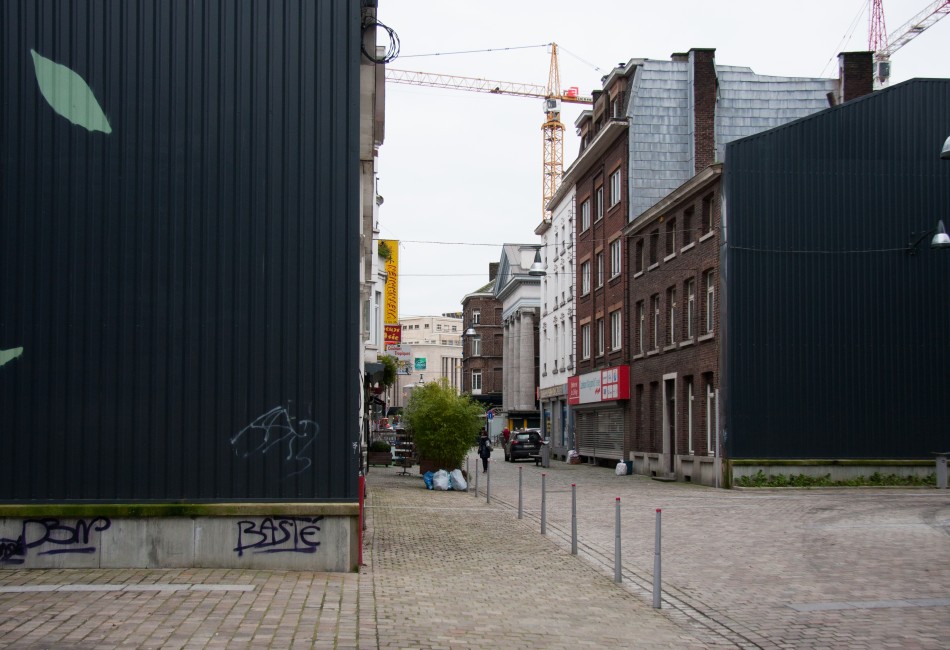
point(523, 444)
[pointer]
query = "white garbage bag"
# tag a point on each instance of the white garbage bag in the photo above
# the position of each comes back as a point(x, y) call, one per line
point(457, 481)
point(621, 469)
point(440, 480)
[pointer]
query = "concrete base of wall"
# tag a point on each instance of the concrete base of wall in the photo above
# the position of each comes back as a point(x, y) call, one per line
point(290, 541)
point(839, 470)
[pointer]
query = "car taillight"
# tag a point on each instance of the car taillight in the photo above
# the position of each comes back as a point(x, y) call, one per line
point(515, 442)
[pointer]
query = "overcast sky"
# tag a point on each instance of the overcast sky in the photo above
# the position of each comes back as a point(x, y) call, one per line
point(460, 169)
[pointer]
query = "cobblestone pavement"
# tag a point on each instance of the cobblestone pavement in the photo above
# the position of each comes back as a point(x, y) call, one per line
point(850, 568)
point(842, 568)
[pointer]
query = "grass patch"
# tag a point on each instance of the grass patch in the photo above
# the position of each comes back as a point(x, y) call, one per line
point(802, 480)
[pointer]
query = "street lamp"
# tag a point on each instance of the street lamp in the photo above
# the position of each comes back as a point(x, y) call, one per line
point(945, 154)
point(537, 269)
point(940, 239)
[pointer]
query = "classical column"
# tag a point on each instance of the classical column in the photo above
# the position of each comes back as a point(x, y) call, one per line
point(526, 358)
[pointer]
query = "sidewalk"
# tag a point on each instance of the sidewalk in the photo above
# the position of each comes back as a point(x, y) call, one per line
point(848, 568)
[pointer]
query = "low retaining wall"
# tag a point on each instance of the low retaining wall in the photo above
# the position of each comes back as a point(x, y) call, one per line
point(246, 536)
point(839, 470)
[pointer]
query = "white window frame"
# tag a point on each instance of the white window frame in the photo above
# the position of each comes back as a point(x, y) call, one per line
point(599, 203)
point(689, 415)
point(476, 316)
point(710, 413)
point(671, 308)
point(642, 317)
point(616, 257)
point(477, 381)
point(656, 321)
point(600, 269)
point(710, 301)
point(615, 188)
point(616, 337)
point(585, 278)
point(600, 337)
point(585, 341)
point(585, 215)
point(476, 346)
point(690, 307)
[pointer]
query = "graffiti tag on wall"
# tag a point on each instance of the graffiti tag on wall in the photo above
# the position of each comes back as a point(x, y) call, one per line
point(278, 535)
point(55, 536)
point(276, 428)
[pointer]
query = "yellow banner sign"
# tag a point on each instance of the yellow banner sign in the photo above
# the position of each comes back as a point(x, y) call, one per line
point(391, 296)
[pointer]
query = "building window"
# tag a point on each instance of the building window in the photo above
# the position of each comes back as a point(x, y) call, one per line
point(671, 312)
point(600, 269)
point(708, 213)
point(585, 215)
point(476, 316)
point(641, 324)
point(615, 335)
point(638, 257)
point(599, 203)
point(585, 341)
point(656, 321)
point(654, 242)
point(688, 226)
point(689, 415)
point(710, 415)
point(690, 307)
point(476, 346)
point(710, 301)
point(600, 337)
point(615, 188)
point(438, 327)
point(476, 381)
point(615, 259)
point(670, 236)
point(585, 278)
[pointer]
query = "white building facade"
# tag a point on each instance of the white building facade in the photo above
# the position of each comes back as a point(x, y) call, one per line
point(520, 296)
point(436, 346)
point(556, 335)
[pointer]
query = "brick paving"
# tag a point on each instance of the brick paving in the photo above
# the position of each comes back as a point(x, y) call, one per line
point(848, 568)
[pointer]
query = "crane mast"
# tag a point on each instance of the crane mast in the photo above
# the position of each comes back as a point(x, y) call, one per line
point(552, 128)
point(884, 46)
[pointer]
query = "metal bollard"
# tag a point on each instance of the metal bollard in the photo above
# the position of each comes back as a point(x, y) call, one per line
point(488, 484)
point(520, 497)
point(573, 518)
point(544, 518)
point(617, 577)
point(476, 479)
point(468, 472)
point(656, 565)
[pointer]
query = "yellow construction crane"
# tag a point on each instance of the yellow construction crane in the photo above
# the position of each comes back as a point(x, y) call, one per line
point(552, 129)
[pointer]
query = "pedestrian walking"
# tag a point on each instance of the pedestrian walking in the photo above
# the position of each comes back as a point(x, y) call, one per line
point(484, 450)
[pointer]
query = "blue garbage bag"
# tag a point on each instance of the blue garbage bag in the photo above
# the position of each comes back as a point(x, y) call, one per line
point(427, 477)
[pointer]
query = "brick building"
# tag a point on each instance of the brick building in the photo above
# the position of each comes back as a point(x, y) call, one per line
point(656, 126)
point(483, 345)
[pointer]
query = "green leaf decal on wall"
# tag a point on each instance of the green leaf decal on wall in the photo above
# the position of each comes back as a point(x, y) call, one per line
point(9, 355)
point(69, 95)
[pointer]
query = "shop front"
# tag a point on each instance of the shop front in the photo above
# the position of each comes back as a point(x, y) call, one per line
point(598, 401)
point(555, 420)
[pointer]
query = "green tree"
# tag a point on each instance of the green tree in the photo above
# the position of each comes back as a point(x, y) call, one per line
point(443, 424)
point(389, 371)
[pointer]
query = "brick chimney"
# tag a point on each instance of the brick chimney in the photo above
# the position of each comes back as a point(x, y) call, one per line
point(492, 270)
point(702, 72)
point(855, 75)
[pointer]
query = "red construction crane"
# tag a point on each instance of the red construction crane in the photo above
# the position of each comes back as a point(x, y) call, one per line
point(552, 128)
point(884, 45)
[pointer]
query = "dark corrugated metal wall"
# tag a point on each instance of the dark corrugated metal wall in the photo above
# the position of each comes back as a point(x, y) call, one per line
point(184, 288)
point(837, 339)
